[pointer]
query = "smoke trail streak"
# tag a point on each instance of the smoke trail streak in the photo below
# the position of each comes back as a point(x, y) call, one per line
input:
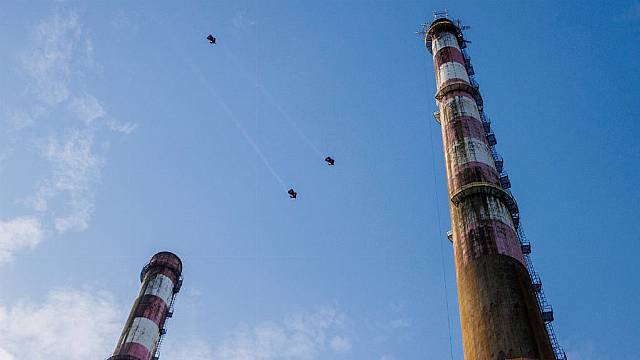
point(290, 121)
point(273, 102)
point(240, 127)
point(233, 118)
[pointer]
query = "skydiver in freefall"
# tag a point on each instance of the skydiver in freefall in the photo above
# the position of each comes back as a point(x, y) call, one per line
point(292, 193)
point(211, 39)
point(329, 161)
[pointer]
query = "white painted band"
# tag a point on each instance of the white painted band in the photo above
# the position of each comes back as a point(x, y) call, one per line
point(451, 70)
point(459, 106)
point(144, 332)
point(160, 286)
point(496, 210)
point(469, 150)
point(443, 39)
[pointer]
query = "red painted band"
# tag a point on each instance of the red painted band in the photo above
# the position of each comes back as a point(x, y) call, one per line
point(455, 80)
point(164, 271)
point(167, 259)
point(472, 172)
point(461, 127)
point(486, 238)
point(448, 54)
point(151, 307)
point(136, 350)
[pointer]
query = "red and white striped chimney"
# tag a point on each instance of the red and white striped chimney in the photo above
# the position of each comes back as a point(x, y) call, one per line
point(161, 280)
point(499, 311)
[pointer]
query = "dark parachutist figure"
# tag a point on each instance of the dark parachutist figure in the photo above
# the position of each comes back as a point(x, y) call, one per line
point(211, 39)
point(329, 161)
point(292, 193)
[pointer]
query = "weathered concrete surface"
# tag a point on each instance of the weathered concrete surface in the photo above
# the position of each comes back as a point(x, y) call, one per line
point(498, 311)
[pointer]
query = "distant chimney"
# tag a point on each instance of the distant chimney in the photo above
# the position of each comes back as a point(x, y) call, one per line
point(161, 280)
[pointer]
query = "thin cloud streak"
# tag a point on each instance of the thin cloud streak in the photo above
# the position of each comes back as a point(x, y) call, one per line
point(48, 62)
point(76, 168)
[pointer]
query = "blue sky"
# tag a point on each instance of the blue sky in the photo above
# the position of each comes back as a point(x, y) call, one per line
point(123, 133)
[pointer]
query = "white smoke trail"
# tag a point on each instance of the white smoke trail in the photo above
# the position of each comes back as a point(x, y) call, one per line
point(228, 52)
point(198, 74)
point(293, 124)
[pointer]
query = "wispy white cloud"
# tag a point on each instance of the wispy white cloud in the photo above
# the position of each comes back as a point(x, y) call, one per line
point(68, 325)
point(192, 350)
point(400, 323)
point(48, 61)
point(87, 108)
point(121, 127)
point(73, 324)
point(19, 119)
point(340, 344)
point(55, 64)
point(304, 336)
point(75, 169)
point(56, 59)
point(17, 234)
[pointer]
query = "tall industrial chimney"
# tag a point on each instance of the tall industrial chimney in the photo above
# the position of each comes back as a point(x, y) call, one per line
point(161, 280)
point(503, 312)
